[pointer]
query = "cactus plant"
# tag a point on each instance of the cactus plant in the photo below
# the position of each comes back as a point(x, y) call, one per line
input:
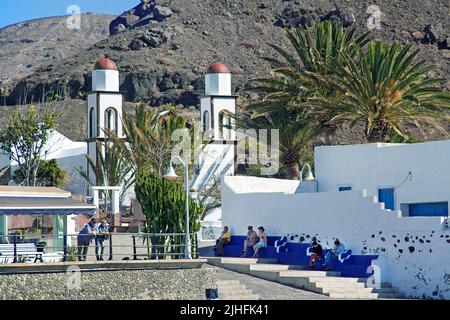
point(164, 206)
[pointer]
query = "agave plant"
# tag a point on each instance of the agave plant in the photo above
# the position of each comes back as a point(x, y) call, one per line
point(386, 89)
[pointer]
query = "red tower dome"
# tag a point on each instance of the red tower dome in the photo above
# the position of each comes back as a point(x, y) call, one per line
point(218, 67)
point(105, 64)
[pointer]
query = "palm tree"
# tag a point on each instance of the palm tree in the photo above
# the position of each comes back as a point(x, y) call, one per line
point(313, 50)
point(111, 169)
point(385, 88)
point(295, 137)
point(148, 145)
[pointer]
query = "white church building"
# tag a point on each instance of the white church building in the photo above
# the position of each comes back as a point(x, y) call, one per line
point(217, 158)
point(389, 200)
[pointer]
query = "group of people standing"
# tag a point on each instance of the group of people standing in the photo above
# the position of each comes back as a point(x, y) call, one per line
point(257, 241)
point(90, 231)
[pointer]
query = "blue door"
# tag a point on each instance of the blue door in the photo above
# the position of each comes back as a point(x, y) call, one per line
point(387, 196)
point(438, 209)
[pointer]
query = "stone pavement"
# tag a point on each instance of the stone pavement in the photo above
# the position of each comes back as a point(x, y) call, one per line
point(267, 290)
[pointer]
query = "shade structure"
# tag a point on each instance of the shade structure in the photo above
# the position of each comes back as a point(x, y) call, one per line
point(44, 206)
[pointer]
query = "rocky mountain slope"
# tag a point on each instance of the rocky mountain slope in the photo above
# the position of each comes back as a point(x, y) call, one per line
point(163, 48)
point(32, 45)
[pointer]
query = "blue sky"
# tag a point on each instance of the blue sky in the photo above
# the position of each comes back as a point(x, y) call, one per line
point(13, 11)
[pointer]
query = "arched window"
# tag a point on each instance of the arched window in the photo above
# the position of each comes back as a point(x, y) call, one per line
point(224, 123)
point(205, 121)
point(91, 123)
point(111, 120)
point(228, 124)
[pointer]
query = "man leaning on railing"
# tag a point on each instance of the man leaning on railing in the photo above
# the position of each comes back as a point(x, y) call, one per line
point(102, 235)
point(85, 236)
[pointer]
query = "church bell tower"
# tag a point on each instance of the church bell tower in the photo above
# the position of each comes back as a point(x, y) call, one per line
point(218, 156)
point(104, 109)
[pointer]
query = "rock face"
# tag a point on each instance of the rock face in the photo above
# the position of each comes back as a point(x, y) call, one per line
point(435, 34)
point(31, 45)
point(163, 48)
point(146, 12)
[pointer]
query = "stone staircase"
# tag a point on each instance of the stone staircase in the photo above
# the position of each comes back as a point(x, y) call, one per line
point(234, 290)
point(329, 283)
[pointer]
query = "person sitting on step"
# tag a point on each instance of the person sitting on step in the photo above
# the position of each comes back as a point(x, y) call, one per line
point(224, 239)
point(316, 254)
point(333, 254)
point(252, 238)
point(262, 243)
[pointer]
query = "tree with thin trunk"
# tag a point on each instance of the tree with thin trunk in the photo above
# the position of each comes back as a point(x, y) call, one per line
point(111, 169)
point(25, 139)
point(295, 136)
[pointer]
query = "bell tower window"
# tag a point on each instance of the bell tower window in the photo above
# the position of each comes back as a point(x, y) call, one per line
point(205, 121)
point(91, 123)
point(111, 120)
point(224, 125)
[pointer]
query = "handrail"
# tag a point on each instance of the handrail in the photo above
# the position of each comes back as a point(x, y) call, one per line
point(161, 244)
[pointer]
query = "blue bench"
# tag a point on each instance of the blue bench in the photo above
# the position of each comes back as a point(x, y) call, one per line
point(236, 245)
point(341, 258)
point(288, 253)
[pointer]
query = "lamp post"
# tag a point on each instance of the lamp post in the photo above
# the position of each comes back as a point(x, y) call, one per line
point(171, 175)
point(309, 175)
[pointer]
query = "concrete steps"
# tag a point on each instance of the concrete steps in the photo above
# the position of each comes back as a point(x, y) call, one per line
point(220, 260)
point(234, 290)
point(328, 283)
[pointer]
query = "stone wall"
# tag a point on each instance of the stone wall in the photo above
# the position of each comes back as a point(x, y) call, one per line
point(176, 284)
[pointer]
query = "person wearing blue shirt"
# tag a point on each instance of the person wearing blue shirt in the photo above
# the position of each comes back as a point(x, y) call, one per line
point(102, 235)
point(84, 238)
point(333, 254)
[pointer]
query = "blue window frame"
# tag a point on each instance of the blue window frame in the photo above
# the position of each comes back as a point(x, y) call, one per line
point(387, 196)
point(345, 188)
point(437, 209)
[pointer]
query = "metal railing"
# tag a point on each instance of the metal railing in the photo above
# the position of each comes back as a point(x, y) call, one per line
point(123, 246)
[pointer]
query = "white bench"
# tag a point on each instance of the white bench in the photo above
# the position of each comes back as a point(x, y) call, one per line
point(22, 250)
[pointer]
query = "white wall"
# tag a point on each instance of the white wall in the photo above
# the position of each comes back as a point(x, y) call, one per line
point(356, 219)
point(76, 184)
point(214, 106)
point(105, 80)
point(4, 159)
point(106, 101)
point(218, 84)
point(216, 160)
point(374, 166)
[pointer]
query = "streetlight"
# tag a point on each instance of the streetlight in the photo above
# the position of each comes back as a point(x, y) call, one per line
point(309, 175)
point(171, 175)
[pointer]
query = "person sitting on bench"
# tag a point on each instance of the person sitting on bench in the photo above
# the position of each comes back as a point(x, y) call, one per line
point(250, 241)
point(262, 243)
point(316, 254)
point(333, 254)
point(224, 239)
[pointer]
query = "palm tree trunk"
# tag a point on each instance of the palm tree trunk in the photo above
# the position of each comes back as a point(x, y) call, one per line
point(327, 134)
point(292, 170)
point(380, 133)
